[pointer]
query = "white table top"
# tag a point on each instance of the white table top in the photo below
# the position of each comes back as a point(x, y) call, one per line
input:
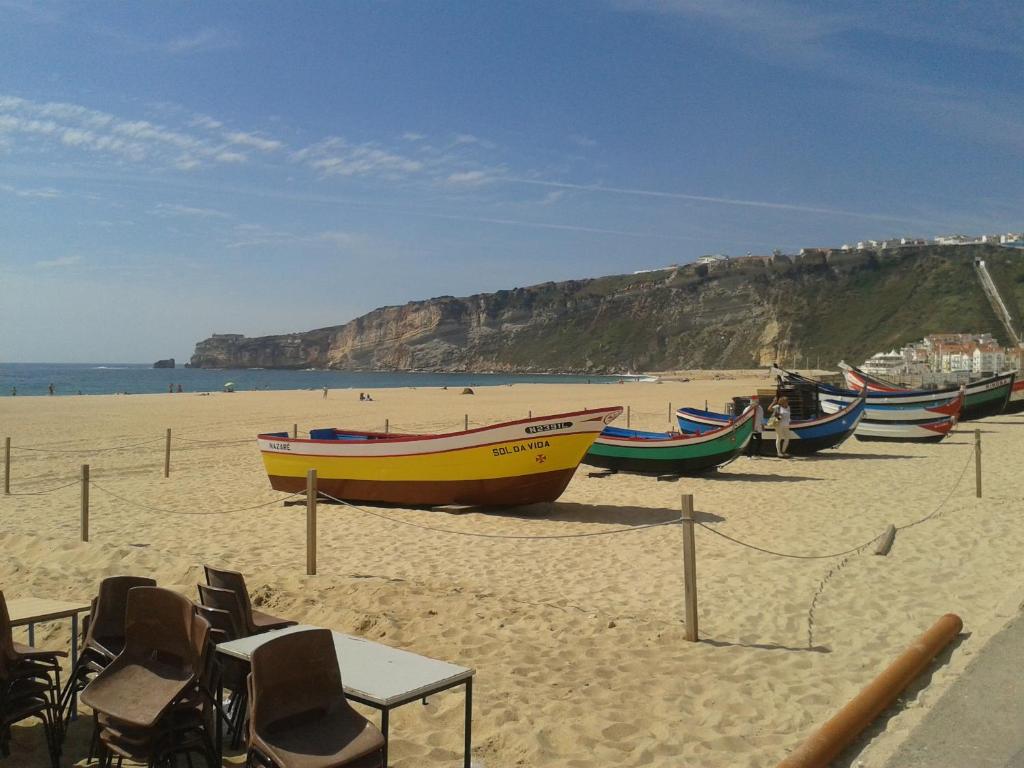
point(377, 673)
point(30, 610)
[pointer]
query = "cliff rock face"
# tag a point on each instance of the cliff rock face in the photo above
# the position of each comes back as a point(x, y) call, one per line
point(745, 312)
point(169, 363)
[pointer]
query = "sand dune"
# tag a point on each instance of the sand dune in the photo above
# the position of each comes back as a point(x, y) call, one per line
point(578, 643)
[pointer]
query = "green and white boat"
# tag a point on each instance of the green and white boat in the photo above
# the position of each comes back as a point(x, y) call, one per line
point(670, 453)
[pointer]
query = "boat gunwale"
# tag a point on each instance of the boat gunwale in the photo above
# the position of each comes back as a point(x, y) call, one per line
point(682, 437)
point(387, 437)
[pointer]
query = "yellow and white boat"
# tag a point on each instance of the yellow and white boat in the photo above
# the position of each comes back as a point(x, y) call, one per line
point(510, 464)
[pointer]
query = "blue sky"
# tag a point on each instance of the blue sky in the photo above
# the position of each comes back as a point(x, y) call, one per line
point(169, 170)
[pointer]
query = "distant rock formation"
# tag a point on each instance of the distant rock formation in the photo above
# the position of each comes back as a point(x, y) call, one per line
point(746, 312)
point(164, 363)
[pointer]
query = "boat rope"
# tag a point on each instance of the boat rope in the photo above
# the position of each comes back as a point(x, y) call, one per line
point(43, 493)
point(787, 554)
point(839, 566)
point(213, 442)
point(474, 534)
point(84, 450)
point(180, 512)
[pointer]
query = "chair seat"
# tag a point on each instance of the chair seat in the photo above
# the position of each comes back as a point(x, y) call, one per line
point(28, 652)
point(333, 739)
point(137, 695)
point(264, 622)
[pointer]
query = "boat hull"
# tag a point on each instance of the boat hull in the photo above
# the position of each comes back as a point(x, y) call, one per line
point(654, 454)
point(987, 397)
point(513, 464)
point(492, 492)
point(807, 437)
point(1016, 402)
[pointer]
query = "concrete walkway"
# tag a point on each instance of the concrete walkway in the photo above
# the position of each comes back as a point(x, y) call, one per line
point(979, 721)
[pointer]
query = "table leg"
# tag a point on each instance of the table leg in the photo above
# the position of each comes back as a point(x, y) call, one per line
point(74, 659)
point(468, 750)
point(384, 729)
point(32, 634)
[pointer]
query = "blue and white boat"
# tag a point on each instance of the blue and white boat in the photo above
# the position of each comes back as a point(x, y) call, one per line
point(808, 435)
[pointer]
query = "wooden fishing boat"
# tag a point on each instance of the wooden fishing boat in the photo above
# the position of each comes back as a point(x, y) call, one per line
point(670, 453)
point(985, 397)
point(890, 428)
point(1016, 403)
point(897, 417)
point(808, 435)
point(510, 464)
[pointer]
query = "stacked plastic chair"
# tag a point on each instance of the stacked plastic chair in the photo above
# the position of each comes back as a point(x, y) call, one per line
point(29, 688)
point(104, 635)
point(298, 714)
point(154, 700)
point(254, 621)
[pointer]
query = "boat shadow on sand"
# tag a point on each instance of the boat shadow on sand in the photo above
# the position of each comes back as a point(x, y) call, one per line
point(571, 512)
point(756, 478)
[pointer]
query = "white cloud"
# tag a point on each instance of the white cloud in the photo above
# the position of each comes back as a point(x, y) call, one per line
point(60, 261)
point(204, 121)
point(174, 209)
point(209, 39)
point(336, 157)
point(43, 193)
point(252, 140)
point(410, 136)
point(466, 138)
point(231, 157)
point(467, 178)
point(581, 140)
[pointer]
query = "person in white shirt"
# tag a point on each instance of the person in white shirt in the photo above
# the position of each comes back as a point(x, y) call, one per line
point(780, 409)
point(754, 446)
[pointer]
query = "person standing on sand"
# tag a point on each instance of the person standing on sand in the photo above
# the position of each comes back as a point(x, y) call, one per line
point(325, 393)
point(781, 413)
point(51, 387)
point(14, 391)
point(754, 446)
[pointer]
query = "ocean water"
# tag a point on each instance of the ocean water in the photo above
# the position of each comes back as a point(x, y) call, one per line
point(113, 378)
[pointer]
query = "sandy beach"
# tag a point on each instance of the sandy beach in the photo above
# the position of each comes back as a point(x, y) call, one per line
point(578, 644)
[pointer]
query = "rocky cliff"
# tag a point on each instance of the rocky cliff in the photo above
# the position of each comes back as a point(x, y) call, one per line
point(744, 312)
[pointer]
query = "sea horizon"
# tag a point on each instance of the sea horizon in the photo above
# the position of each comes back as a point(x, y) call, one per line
point(110, 378)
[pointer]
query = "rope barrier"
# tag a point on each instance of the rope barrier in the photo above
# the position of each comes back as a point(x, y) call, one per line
point(85, 450)
point(213, 442)
point(179, 512)
point(43, 493)
point(674, 521)
point(786, 554)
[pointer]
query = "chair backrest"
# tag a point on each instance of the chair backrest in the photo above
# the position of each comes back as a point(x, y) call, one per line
point(6, 637)
point(292, 675)
point(106, 621)
point(233, 580)
point(160, 622)
point(225, 600)
point(222, 624)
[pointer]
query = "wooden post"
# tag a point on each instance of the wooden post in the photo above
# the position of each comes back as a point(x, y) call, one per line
point(465, 422)
point(689, 569)
point(311, 522)
point(885, 543)
point(977, 463)
point(529, 415)
point(295, 430)
point(387, 426)
point(85, 502)
point(7, 466)
point(670, 413)
point(628, 409)
point(167, 455)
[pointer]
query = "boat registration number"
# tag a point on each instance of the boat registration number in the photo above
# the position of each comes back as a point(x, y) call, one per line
point(533, 445)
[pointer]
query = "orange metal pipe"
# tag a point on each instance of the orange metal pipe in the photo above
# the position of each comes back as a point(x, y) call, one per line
point(821, 747)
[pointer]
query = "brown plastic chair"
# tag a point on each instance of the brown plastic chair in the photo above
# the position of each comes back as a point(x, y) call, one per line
point(27, 689)
point(104, 634)
point(225, 600)
point(232, 672)
point(255, 621)
point(298, 715)
point(150, 702)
